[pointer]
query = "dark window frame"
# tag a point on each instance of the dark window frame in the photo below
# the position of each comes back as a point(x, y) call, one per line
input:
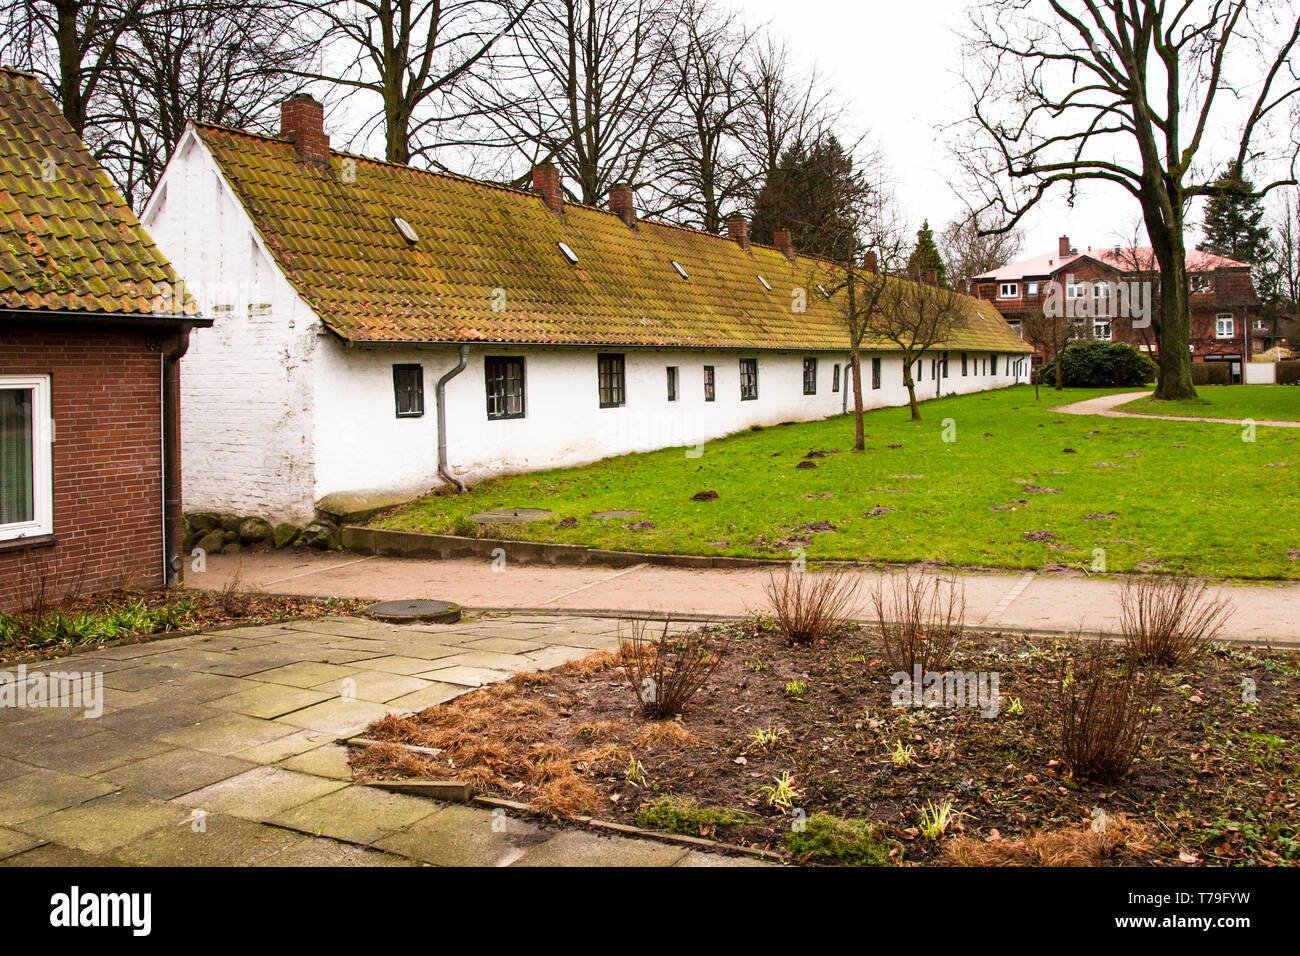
point(964, 359)
point(810, 375)
point(877, 369)
point(748, 379)
point(710, 384)
point(835, 378)
point(611, 379)
point(503, 380)
point(673, 390)
point(408, 393)
point(993, 365)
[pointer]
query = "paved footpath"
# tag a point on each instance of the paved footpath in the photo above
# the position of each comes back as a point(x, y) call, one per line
point(221, 749)
point(1014, 601)
point(1106, 408)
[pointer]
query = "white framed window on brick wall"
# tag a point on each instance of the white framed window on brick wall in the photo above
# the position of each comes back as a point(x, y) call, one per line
point(1223, 325)
point(26, 478)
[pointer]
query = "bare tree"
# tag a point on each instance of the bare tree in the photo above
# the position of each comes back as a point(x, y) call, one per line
point(970, 250)
point(1049, 331)
point(70, 45)
point(916, 314)
point(1124, 92)
point(586, 87)
point(221, 61)
point(415, 56)
point(703, 171)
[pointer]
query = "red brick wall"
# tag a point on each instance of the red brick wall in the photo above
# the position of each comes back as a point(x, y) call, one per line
point(106, 404)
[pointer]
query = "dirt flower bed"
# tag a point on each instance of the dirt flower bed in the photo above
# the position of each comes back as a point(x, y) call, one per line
point(55, 628)
point(800, 749)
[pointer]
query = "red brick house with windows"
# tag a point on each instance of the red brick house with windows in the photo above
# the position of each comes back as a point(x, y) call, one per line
point(89, 368)
point(1222, 297)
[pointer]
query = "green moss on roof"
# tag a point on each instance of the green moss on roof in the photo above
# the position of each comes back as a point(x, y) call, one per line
point(487, 266)
point(68, 241)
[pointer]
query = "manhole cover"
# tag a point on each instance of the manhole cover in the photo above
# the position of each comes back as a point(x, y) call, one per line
point(404, 612)
point(511, 516)
point(606, 515)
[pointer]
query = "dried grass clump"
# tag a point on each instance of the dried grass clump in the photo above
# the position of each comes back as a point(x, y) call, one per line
point(566, 796)
point(388, 759)
point(590, 665)
point(666, 735)
point(810, 606)
point(1103, 714)
point(1169, 620)
point(921, 620)
point(665, 670)
point(597, 729)
point(1063, 847)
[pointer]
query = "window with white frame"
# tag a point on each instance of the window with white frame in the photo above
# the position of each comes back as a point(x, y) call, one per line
point(1101, 330)
point(1223, 325)
point(1031, 288)
point(1075, 290)
point(1009, 290)
point(1201, 284)
point(26, 481)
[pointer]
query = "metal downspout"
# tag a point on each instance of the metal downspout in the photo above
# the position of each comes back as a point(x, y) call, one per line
point(173, 530)
point(440, 395)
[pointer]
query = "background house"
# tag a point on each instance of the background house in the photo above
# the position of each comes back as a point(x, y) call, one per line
point(89, 450)
point(1222, 298)
point(351, 292)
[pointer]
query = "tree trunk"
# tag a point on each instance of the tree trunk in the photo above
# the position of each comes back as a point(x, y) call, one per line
point(69, 44)
point(859, 430)
point(1175, 335)
point(911, 389)
point(1058, 369)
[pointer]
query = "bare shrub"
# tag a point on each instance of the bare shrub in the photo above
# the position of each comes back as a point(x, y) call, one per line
point(921, 620)
point(1168, 619)
point(665, 670)
point(808, 606)
point(1103, 715)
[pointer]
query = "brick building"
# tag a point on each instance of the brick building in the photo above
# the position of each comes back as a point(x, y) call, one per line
point(1222, 298)
point(89, 461)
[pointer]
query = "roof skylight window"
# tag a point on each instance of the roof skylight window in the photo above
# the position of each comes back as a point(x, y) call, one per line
point(825, 294)
point(765, 283)
point(568, 253)
point(680, 271)
point(406, 229)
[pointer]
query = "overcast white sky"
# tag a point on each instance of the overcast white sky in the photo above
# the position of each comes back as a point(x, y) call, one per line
point(895, 63)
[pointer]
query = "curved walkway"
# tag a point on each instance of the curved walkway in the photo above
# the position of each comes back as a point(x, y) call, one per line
point(1105, 406)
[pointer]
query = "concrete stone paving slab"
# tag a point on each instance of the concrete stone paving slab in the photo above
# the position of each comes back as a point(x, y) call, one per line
point(53, 854)
point(226, 733)
point(325, 852)
point(328, 760)
point(555, 656)
point(437, 692)
point(503, 645)
point(174, 772)
point(11, 842)
point(277, 750)
point(344, 627)
point(270, 700)
point(467, 676)
point(221, 840)
point(259, 794)
point(87, 756)
point(373, 686)
point(189, 659)
point(140, 676)
point(260, 660)
point(580, 848)
point(340, 717)
point(48, 730)
point(357, 814)
point(305, 674)
point(105, 823)
point(465, 836)
point(485, 659)
point(200, 687)
point(150, 720)
point(400, 664)
point(696, 858)
point(13, 768)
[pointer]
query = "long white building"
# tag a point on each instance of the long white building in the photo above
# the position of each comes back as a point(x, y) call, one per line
point(349, 294)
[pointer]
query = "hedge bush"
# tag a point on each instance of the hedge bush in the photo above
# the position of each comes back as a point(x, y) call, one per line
point(1098, 364)
point(1288, 372)
point(1211, 373)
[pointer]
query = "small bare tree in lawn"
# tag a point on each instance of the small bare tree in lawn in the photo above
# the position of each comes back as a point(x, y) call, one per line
point(915, 314)
point(1050, 334)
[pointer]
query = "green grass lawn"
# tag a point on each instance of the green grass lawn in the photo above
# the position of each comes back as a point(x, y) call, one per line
point(1178, 496)
point(1259, 402)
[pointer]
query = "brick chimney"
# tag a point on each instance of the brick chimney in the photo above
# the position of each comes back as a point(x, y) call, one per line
point(869, 263)
point(781, 239)
point(546, 180)
point(302, 122)
point(1063, 249)
point(738, 229)
point(622, 203)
